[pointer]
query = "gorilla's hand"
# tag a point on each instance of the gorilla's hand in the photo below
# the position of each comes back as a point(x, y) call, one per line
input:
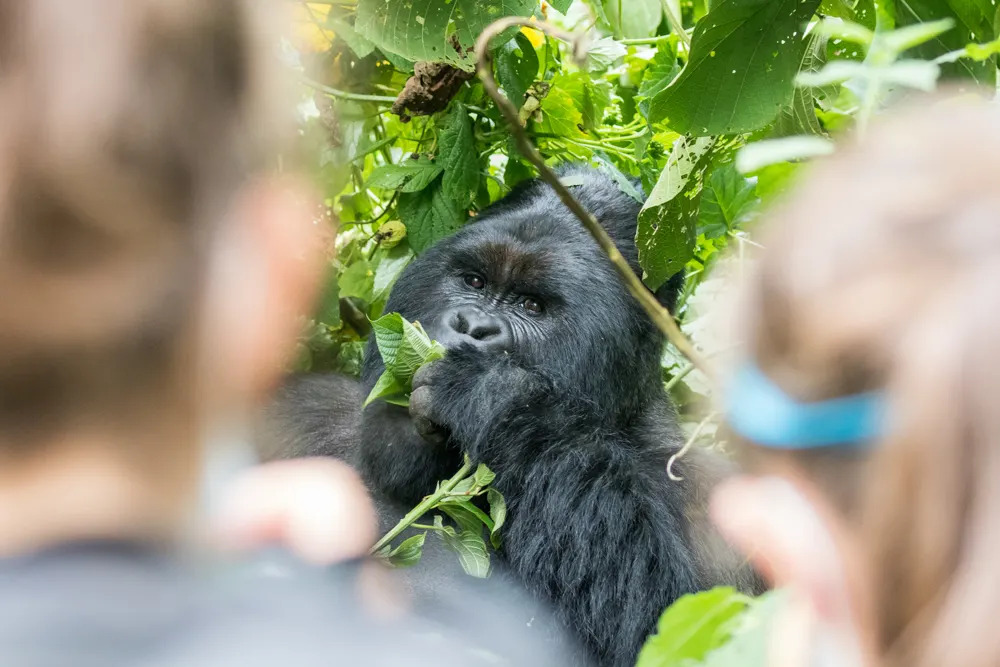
point(422, 408)
point(463, 395)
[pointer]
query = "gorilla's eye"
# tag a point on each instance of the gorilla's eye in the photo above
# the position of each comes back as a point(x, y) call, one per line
point(474, 281)
point(532, 307)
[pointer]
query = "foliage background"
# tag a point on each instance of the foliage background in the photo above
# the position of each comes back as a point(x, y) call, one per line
point(711, 108)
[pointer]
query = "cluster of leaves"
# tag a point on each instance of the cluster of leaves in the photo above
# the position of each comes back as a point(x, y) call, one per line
point(457, 499)
point(710, 108)
point(405, 347)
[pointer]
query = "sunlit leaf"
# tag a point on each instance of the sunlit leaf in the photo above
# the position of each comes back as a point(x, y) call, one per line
point(762, 153)
point(744, 56)
point(421, 29)
point(666, 232)
point(694, 626)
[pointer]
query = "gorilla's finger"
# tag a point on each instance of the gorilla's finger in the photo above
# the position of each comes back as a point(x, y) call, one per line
point(424, 375)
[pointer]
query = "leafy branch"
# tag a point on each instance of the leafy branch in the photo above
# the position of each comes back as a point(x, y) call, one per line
point(484, 66)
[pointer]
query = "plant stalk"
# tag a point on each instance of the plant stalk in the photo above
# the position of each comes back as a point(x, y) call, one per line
point(484, 66)
point(423, 507)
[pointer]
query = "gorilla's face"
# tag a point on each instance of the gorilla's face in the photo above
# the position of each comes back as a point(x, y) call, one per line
point(526, 279)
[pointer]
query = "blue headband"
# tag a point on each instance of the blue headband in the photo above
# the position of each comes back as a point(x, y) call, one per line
point(760, 411)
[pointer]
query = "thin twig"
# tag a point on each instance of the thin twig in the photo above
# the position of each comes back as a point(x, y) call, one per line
point(344, 95)
point(484, 65)
point(676, 26)
point(423, 507)
point(687, 446)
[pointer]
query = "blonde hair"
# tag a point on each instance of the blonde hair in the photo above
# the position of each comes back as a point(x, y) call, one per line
point(125, 128)
point(883, 272)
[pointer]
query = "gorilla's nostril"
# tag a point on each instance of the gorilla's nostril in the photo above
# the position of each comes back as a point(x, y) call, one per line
point(459, 323)
point(484, 331)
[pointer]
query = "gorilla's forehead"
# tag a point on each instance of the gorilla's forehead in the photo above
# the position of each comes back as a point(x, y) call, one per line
point(526, 248)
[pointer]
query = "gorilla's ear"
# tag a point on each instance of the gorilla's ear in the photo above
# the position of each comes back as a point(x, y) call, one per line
point(670, 290)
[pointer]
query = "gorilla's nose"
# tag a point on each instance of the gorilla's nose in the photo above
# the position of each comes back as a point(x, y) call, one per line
point(476, 328)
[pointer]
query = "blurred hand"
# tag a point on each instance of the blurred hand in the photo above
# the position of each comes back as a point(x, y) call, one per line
point(316, 508)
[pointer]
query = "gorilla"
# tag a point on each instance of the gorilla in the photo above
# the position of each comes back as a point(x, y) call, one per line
point(552, 378)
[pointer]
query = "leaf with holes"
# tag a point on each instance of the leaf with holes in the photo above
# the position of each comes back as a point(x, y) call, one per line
point(429, 30)
point(744, 56)
point(666, 232)
point(517, 67)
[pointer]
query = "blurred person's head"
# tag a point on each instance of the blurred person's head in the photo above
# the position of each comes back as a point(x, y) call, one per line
point(878, 285)
point(150, 262)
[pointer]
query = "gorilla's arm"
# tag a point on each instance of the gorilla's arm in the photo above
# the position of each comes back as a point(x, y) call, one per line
point(567, 475)
point(396, 460)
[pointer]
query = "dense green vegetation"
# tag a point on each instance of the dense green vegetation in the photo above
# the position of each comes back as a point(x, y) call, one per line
point(714, 107)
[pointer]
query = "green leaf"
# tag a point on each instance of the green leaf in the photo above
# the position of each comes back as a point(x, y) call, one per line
point(727, 199)
point(762, 153)
point(605, 53)
point(633, 18)
point(560, 115)
point(621, 180)
point(407, 553)
point(390, 265)
point(845, 30)
point(836, 72)
point(457, 156)
point(429, 215)
point(981, 52)
point(591, 97)
point(744, 56)
point(912, 36)
point(498, 512)
point(666, 233)
point(357, 280)
point(421, 29)
point(328, 311)
point(753, 634)
point(386, 387)
point(660, 72)
point(517, 67)
point(404, 348)
point(464, 514)
point(692, 627)
point(361, 46)
point(974, 23)
point(483, 475)
point(471, 550)
point(561, 6)
point(409, 176)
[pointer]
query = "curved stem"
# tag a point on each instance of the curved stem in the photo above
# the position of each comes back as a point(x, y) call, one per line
point(484, 67)
point(344, 95)
point(423, 506)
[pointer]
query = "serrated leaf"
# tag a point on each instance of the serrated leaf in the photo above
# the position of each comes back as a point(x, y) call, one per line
point(693, 626)
point(744, 56)
point(471, 550)
point(727, 198)
point(665, 236)
point(498, 512)
point(429, 216)
point(591, 97)
point(763, 153)
point(560, 116)
point(517, 67)
point(408, 552)
point(421, 29)
point(457, 156)
point(660, 72)
point(409, 176)
point(483, 475)
point(404, 348)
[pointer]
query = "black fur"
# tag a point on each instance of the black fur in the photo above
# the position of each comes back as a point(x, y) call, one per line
point(567, 408)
